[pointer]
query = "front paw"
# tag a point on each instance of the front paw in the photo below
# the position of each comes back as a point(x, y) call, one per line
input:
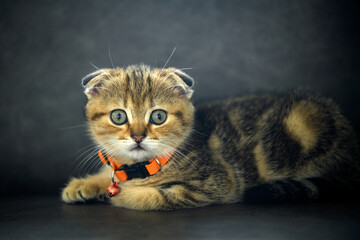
point(80, 190)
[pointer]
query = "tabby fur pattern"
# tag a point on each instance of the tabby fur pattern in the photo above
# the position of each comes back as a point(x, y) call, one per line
point(289, 148)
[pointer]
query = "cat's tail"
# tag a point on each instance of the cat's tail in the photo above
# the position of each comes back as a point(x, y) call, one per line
point(304, 190)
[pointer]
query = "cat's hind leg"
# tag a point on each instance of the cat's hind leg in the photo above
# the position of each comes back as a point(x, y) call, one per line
point(290, 190)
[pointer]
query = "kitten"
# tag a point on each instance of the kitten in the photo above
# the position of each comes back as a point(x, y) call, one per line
point(251, 149)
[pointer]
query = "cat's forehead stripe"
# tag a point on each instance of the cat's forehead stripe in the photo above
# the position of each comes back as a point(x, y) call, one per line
point(134, 85)
point(137, 88)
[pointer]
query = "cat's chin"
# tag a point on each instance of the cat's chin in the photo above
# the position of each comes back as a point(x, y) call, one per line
point(140, 154)
point(136, 153)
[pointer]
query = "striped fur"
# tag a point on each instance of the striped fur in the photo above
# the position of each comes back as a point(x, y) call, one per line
point(252, 149)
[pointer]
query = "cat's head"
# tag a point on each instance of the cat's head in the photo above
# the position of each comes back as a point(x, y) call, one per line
point(138, 113)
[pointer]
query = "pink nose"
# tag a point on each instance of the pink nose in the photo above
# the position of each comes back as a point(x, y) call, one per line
point(138, 138)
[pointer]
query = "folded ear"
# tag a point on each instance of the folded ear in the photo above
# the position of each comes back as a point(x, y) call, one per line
point(93, 82)
point(189, 83)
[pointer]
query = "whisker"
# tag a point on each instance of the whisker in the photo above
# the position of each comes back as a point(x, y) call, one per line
point(91, 149)
point(175, 150)
point(111, 60)
point(94, 66)
point(72, 127)
point(183, 69)
point(167, 61)
point(85, 164)
point(90, 167)
point(85, 152)
point(193, 130)
point(88, 146)
point(95, 166)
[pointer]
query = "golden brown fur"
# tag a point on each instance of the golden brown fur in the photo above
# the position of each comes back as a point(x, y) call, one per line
point(244, 149)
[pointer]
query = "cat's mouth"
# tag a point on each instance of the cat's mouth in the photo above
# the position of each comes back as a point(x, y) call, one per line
point(138, 148)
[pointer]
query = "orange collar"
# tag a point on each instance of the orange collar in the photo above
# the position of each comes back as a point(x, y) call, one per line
point(138, 170)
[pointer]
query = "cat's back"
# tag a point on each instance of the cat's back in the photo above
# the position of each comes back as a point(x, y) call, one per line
point(300, 115)
point(235, 115)
point(299, 134)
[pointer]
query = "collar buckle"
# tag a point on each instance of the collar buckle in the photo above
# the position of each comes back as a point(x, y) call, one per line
point(137, 170)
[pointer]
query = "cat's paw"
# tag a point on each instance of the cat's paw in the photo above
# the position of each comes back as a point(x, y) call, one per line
point(81, 190)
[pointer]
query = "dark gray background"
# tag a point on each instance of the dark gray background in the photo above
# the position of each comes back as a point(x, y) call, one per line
point(234, 48)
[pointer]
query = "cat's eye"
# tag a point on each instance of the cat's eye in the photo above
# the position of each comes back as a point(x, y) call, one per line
point(118, 117)
point(158, 117)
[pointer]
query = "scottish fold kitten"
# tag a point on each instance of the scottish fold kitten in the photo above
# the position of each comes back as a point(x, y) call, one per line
point(162, 154)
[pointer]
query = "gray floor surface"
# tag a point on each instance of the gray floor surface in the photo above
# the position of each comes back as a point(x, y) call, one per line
point(49, 218)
